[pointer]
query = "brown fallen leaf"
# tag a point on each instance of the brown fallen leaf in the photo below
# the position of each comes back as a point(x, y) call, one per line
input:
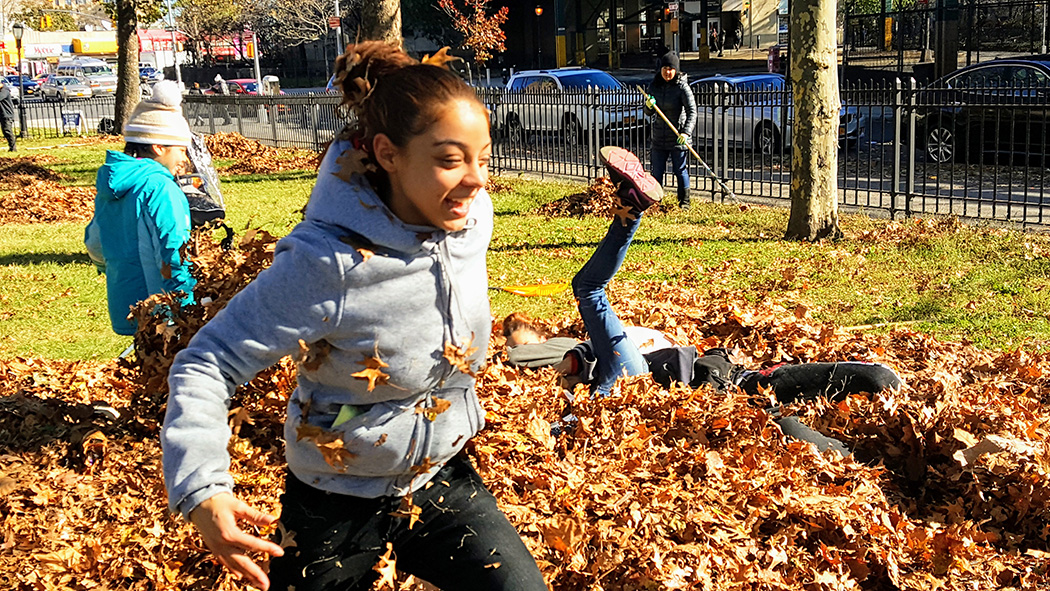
point(329, 443)
point(458, 356)
point(386, 568)
point(372, 372)
point(408, 510)
point(439, 406)
point(312, 355)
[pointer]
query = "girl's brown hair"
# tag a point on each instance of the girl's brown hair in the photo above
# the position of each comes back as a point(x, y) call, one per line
point(393, 94)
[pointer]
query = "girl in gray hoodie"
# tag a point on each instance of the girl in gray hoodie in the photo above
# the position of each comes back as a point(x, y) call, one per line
point(382, 293)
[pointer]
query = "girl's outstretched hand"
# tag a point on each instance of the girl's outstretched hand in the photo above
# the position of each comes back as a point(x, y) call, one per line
point(216, 520)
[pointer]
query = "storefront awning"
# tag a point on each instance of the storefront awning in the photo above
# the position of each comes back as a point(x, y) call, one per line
point(92, 47)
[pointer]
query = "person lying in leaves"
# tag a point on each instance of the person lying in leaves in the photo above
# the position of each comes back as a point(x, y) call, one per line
point(615, 350)
point(382, 294)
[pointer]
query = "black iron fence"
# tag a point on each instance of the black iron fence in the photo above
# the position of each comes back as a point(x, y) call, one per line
point(58, 117)
point(976, 153)
point(903, 40)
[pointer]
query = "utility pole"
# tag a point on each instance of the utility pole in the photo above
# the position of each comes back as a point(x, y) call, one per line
point(174, 48)
point(946, 56)
point(339, 47)
point(1043, 46)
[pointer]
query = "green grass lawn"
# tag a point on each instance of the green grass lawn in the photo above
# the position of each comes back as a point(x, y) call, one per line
point(956, 282)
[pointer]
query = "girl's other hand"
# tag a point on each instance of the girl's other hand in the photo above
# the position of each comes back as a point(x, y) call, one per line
point(216, 520)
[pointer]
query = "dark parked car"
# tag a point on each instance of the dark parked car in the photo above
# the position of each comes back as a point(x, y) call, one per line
point(998, 107)
point(30, 85)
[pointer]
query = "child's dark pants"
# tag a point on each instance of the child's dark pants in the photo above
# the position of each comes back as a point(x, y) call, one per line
point(461, 541)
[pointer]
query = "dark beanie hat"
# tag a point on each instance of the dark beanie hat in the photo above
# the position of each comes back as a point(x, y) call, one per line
point(669, 60)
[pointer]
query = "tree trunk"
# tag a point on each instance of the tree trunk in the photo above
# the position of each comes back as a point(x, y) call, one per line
point(127, 63)
point(381, 20)
point(814, 135)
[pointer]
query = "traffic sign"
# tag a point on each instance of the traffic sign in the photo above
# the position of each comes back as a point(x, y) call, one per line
point(672, 6)
point(334, 22)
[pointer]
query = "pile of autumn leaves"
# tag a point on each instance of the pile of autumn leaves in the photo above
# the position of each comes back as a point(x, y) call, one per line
point(37, 195)
point(651, 489)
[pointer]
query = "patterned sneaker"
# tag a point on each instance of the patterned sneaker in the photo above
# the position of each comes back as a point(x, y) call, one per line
point(623, 166)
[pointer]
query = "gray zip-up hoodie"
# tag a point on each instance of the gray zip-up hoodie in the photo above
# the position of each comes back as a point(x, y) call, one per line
point(353, 282)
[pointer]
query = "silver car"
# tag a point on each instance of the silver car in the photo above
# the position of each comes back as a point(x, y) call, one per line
point(64, 88)
point(754, 118)
point(572, 101)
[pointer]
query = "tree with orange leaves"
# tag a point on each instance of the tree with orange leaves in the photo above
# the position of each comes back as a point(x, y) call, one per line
point(482, 32)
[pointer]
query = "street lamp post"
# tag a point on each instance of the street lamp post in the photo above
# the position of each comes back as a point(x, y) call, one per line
point(539, 48)
point(18, 30)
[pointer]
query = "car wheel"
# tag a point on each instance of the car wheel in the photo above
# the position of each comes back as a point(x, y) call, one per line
point(515, 132)
point(572, 131)
point(766, 140)
point(940, 144)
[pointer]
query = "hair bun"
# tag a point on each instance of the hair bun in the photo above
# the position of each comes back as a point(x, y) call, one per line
point(357, 70)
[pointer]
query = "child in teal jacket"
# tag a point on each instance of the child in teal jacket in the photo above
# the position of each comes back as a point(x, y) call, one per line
point(142, 218)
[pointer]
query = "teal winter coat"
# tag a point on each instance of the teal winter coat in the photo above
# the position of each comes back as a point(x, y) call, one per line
point(141, 221)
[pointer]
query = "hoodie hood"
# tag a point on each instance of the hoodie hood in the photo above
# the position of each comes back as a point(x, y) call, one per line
point(355, 208)
point(123, 174)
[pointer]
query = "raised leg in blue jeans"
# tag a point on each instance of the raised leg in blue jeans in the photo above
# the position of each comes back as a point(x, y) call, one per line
point(615, 353)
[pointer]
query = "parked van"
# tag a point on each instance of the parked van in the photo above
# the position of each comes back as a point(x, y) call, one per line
point(97, 73)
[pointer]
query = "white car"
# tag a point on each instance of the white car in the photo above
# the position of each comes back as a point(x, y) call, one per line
point(753, 115)
point(572, 101)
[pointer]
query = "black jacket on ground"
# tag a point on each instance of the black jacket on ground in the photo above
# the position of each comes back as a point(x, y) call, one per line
point(7, 104)
point(675, 99)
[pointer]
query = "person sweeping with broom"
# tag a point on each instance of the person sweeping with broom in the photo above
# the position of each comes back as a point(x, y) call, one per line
point(670, 93)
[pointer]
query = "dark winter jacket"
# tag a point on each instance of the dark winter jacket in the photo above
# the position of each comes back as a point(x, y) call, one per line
point(7, 104)
point(675, 99)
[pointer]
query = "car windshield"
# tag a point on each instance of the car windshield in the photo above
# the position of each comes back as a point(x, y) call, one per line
point(599, 80)
point(68, 81)
point(97, 70)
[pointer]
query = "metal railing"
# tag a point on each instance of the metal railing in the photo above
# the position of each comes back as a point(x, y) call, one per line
point(892, 158)
point(46, 118)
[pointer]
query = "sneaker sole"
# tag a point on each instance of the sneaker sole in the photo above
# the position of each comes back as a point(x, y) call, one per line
point(625, 164)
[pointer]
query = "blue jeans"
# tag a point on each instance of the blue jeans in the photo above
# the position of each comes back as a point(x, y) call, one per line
point(615, 353)
point(658, 158)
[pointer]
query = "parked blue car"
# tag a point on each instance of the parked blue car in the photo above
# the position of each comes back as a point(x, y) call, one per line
point(150, 74)
point(31, 87)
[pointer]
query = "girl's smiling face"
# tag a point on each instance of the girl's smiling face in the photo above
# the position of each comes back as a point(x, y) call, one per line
point(436, 175)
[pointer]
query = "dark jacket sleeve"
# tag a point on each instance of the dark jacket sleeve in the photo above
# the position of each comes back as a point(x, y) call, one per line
point(688, 105)
point(540, 354)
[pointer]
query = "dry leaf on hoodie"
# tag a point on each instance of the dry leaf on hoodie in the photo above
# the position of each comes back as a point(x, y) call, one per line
point(329, 443)
point(353, 161)
point(372, 372)
point(431, 412)
point(458, 356)
point(311, 355)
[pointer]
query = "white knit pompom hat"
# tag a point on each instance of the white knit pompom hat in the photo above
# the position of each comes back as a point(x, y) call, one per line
point(158, 120)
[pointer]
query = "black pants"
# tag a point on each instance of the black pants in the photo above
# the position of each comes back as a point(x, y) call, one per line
point(8, 127)
point(807, 381)
point(462, 540)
